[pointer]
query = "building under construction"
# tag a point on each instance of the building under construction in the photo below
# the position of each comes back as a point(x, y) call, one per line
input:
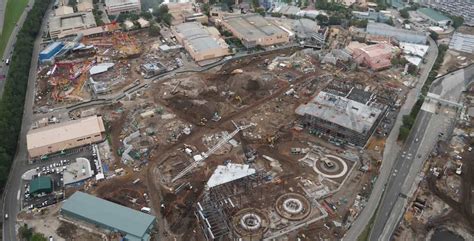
point(350, 118)
point(224, 197)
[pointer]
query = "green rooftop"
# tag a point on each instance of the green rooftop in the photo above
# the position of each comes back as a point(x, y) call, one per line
point(134, 224)
point(41, 184)
point(433, 14)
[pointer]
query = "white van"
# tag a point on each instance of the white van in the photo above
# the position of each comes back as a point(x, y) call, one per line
point(146, 209)
point(7, 62)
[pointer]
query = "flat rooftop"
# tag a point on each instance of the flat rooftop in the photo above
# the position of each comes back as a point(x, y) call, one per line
point(253, 26)
point(199, 37)
point(65, 131)
point(77, 171)
point(72, 20)
point(433, 14)
point(107, 213)
point(342, 111)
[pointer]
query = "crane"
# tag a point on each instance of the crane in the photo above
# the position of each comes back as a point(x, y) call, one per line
point(213, 149)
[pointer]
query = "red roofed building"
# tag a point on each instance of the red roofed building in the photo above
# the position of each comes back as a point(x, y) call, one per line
point(376, 57)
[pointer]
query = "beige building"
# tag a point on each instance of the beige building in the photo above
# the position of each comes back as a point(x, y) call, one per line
point(115, 7)
point(63, 10)
point(253, 30)
point(70, 24)
point(202, 43)
point(85, 6)
point(58, 137)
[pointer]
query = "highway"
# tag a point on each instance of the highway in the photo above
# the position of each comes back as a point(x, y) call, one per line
point(432, 120)
point(11, 202)
point(391, 149)
point(11, 42)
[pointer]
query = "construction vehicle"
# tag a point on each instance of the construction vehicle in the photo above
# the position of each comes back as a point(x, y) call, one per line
point(239, 99)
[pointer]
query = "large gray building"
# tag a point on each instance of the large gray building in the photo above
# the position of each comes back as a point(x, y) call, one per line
point(352, 118)
point(133, 225)
point(464, 8)
point(401, 35)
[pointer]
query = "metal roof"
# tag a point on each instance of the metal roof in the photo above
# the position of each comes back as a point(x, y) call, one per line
point(198, 37)
point(51, 47)
point(462, 42)
point(101, 68)
point(39, 184)
point(112, 215)
point(433, 14)
point(253, 26)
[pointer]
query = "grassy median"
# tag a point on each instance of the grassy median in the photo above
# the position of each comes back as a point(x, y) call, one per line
point(13, 11)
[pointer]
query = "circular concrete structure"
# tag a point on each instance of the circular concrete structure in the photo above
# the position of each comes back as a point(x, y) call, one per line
point(293, 206)
point(331, 167)
point(250, 222)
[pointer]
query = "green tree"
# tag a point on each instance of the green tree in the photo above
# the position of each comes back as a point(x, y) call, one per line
point(322, 19)
point(146, 15)
point(458, 21)
point(404, 13)
point(390, 21)
point(335, 20)
point(38, 237)
point(205, 9)
point(403, 134)
point(25, 232)
point(255, 4)
point(154, 30)
point(434, 35)
point(260, 11)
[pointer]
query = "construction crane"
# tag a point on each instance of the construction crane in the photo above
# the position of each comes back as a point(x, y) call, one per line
point(211, 151)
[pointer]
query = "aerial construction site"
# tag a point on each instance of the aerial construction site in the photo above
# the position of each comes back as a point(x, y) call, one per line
point(276, 140)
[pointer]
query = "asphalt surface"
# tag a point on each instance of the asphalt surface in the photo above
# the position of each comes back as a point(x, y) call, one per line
point(11, 42)
point(391, 150)
point(432, 122)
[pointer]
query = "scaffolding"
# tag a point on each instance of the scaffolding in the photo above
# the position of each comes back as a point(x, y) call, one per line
point(218, 204)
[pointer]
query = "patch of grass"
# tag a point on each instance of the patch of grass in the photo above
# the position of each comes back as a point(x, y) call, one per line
point(364, 236)
point(13, 11)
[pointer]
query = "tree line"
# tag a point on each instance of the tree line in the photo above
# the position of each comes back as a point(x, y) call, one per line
point(12, 102)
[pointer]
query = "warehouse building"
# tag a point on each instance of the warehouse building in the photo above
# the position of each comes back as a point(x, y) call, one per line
point(402, 35)
point(345, 118)
point(376, 57)
point(253, 30)
point(70, 24)
point(435, 17)
point(380, 17)
point(50, 51)
point(42, 184)
point(202, 43)
point(59, 137)
point(115, 7)
point(133, 225)
point(462, 42)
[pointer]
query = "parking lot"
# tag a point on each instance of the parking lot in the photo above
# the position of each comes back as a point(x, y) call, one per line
point(54, 167)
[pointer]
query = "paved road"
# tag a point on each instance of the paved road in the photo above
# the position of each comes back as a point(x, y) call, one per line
point(391, 150)
point(11, 204)
point(431, 121)
point(11, 42)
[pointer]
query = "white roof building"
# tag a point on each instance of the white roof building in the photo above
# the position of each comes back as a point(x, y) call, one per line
point(229, 173)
